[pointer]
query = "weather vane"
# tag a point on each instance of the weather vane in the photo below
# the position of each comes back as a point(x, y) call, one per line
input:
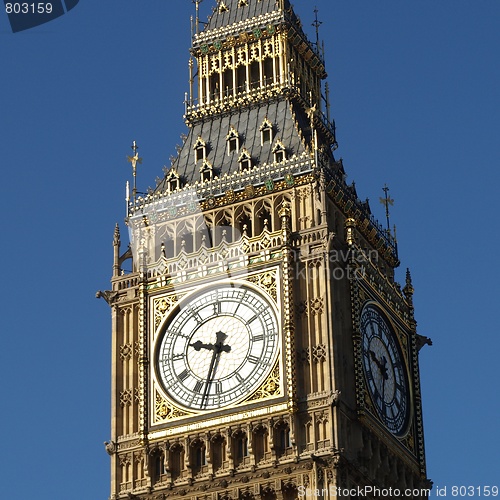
point(387, 201)
point(134, 160)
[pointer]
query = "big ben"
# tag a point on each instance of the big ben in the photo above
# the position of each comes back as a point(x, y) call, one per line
point(261, 347)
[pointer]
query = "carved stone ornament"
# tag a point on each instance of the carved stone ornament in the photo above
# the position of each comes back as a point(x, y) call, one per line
point(110, 447)
point(163, 306)
point(270, 388)
point(249, 191)
point(126, 352)
point(334, 398)
point(267, 282)
point(164, 411)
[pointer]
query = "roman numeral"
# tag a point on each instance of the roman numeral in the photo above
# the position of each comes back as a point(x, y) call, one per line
point(258, 338)
point(184, 375)
point(253, 359)
point(198, 386)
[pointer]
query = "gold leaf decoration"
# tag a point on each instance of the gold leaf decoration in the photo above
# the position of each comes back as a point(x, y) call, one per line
point(267, 282)
point(270, 388)
point(164, 411)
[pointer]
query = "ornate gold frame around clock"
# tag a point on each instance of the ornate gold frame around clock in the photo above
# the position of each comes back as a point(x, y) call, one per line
point(162, 410)
point(385, 297)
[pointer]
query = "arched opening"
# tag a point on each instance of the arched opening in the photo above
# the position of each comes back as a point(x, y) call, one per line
point(254, 75)
point(176, 461)
point(263, 219)
point(268, 71)
point(241, 79)
point(227, 82)
point(218, 449)
point(243, 221)
point(157, 465)
point(282, 443)
point(214, 86)
point(239, 448)
point(198, 457)
point(260, 444)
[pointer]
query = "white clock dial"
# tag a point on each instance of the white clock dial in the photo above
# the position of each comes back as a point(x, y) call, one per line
point(218, 347)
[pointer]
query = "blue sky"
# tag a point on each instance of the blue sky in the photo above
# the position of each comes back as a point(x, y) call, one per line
point(415, 95)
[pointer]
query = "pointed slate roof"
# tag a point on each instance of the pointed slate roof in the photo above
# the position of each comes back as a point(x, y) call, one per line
point(285, 120)
point(238, 11)
point(236, 17)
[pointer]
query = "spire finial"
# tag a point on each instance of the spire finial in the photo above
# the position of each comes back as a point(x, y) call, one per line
point(317, 23)
point(116, 236)
point(408, 289)
point(197, 22)
point(387, 201)
point(134, 160)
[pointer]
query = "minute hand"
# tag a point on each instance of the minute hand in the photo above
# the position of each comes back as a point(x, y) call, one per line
point(217, 348)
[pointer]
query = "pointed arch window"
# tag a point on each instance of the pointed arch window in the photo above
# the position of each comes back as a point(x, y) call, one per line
point(218, 448)
point(172, 180)
point(198, 457)
point(206, 171)
point(245, 160)
point(200, 149)
point(260, 444)
point(279, 151)
point(239, 447)
point(158, 464)
point(266, 131)
point(282, 442)
point(176, 461)
point(233, 141)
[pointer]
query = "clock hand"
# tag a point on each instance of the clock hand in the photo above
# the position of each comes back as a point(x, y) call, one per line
point(382, 366)
point(214, 363)
point(374, 359)
point(198, 345)
point(384, 370)
point(215, 355)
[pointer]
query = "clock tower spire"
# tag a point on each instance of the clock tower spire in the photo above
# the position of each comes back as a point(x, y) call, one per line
point(261, 348)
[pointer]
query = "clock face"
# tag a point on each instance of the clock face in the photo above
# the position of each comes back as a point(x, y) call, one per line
point(218, 347)
point(385, 370)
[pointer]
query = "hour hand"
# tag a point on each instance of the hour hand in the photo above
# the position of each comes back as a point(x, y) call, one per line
point(374, 358)
point(198, 345)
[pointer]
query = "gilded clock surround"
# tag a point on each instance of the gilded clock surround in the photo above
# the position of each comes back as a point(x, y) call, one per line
point(254, 195)
point(166, 411)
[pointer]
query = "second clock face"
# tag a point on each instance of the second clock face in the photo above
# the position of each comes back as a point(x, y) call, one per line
point(385, 370)
point(218, 347)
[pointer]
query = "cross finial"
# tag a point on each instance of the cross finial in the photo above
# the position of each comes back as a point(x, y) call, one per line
point(317, 23)
point(387, 201)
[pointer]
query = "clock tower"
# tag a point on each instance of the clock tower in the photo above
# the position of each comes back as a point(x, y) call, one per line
point(261, 347)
